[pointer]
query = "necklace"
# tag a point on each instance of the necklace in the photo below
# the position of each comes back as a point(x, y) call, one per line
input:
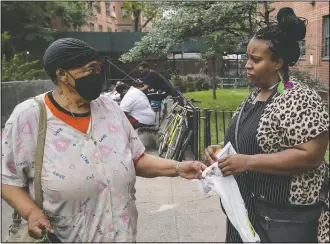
point(89, 135)
point(272, 87)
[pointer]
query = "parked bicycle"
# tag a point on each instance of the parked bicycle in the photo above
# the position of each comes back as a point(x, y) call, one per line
point(176, 135)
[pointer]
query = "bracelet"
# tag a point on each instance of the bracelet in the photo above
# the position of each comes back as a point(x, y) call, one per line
point(177, 168)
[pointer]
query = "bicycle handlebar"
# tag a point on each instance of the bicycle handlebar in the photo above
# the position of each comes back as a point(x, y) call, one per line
point(194, 101)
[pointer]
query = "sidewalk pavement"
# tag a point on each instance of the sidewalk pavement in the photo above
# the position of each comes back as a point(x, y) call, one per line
point(170, 210)
point(174, 210)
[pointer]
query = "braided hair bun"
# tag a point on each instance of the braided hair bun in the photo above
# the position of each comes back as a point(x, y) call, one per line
point(293, 27)
point(284, 36)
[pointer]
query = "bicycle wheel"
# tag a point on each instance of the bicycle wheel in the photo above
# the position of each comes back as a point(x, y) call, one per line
point(168, 122)
point(184, 146)
point(180, 143)
point(163, 138)
point(174, 144)
point(162, 144)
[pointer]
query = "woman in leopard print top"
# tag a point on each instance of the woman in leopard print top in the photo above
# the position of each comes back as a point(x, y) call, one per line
point(283, 134)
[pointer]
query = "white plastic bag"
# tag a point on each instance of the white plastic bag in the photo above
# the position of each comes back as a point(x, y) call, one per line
point(231, 199)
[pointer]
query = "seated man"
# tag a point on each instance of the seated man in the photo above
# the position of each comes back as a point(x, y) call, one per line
point(155, 81)
point(136, 106)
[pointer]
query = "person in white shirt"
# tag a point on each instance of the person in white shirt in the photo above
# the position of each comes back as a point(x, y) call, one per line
point(136, 106)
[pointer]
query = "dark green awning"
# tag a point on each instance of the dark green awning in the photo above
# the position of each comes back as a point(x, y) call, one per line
point(124, 41)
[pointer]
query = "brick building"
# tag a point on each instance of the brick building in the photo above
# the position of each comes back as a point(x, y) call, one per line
point(315, 47)
point(109, 17)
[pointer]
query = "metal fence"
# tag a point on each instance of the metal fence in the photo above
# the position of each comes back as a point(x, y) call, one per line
point(232, 82)
point(208, 125)
point(209, 128)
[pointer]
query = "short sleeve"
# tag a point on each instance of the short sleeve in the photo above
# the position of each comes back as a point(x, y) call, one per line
point(302, 116)
point(18, 147)
point(150, 79)
point(127, 103)
point(136, 145)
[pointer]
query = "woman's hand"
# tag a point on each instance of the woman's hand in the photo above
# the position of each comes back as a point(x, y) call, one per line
point(191, 169)
point(233, 164)
point(210, 157)
point(38, 221)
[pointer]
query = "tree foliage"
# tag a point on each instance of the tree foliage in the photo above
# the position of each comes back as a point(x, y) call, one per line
point(308, 79)
point(29, 23)
point(149, 10)
point(221, 26)
point(18, 68)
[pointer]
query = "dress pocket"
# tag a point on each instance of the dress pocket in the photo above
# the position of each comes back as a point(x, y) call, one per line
point(70, 228)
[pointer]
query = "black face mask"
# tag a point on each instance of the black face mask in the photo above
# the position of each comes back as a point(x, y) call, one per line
point(89, 87)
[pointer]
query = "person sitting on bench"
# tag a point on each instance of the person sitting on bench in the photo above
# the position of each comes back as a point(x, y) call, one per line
point(155, 82)
point(136, 106)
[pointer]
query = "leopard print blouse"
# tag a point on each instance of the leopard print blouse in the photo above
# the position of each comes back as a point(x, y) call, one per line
point(295, 117)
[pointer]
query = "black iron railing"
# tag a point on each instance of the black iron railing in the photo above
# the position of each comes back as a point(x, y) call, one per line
point(209, 128)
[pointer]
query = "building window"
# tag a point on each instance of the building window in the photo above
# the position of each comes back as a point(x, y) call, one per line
point(302, 45)
point(90, 5)
point(124, 13)
point(91, 26)
point(109, 29)
point(107, 8)
point(325, 37)
point(114, 9)
point(116, 30)
point(98, 7)
point(100, 28)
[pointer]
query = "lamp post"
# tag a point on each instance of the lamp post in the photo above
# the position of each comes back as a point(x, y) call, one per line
point(27, 55)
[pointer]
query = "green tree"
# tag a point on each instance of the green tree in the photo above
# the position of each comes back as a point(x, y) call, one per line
point(201, 21)
point(29, 23)
point(220, 26)
point(18, 68)
point(136, 9)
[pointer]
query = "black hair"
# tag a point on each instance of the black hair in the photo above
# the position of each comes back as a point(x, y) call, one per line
point(137, 84)
point(120, 88)
point(144, 65)
point(284, 36)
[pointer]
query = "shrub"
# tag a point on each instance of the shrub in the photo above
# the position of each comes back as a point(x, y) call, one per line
point(191, 82)
point(305, 77)
point(206, 86)
point(177, 82)
point(18, 69)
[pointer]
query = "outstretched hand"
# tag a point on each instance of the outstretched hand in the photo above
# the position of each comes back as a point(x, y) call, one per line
point(191, 169)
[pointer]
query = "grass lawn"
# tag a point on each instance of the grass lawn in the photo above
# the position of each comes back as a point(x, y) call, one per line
point(227, 100)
